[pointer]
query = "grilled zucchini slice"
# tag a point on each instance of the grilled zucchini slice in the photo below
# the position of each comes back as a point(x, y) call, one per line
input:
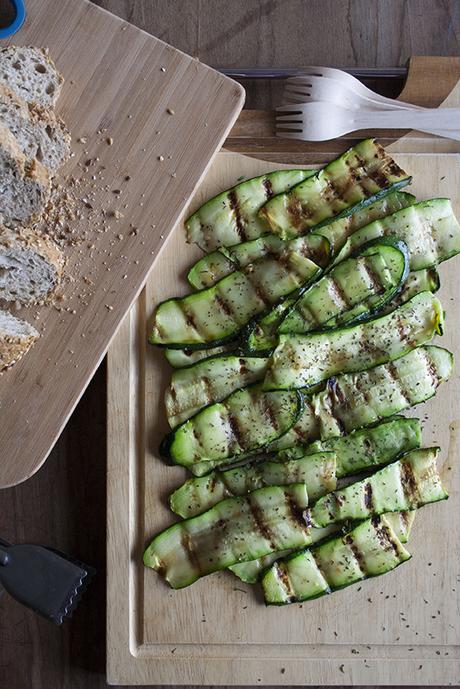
point(196, 495)
point(235, 530)
point(355, 179)
point(352, 290)
point(370, 549)
point(232, 216)
point(407, 484)
point(366, 448)
point(215, 315)
point(180, 358)
point(354, 400)
point(245, 421)
point(216, 265)
point(251, 572)
point(209, 381)
point(304, 360)
point(338, 231)
point(429, 229)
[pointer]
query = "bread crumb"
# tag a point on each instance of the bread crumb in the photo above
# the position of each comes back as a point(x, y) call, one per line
point(170, 111)
point(109, 141)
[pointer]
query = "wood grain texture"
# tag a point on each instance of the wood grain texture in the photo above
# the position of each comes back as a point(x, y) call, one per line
point(226, 635)
point(120, 83)
point(64, 502)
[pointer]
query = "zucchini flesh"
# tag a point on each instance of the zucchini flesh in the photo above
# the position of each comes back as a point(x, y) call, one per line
point(368, 448)
point(429, 229)
point(196, 495)
point(179, 358)
point(358, 177)
point(216, 265)
point(304, 360)
point(216, 314)
point(401, 523)
point(209, 381)
point(338, 231)
point(370, 549)
point(408, 483)
point(357, 286)
point(235, 530)
point(354, 400)
point(251, 572)
point(245, 421)
point(425, 280)
point(232, 216)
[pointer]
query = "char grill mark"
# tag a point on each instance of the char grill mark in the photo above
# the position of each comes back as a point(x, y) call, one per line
point(224, 306)
point(368, 496)
point(236, 430)
point(257, 289)
point(372, 277)
point(357, 554)
point(187, 544)
point(295, 211)
point(409, 483)
point(391, 368)
point(267, 187)
point(384, 535)
point(299, 515)
point(262, 526)
point(283, 577)
point(235, 207)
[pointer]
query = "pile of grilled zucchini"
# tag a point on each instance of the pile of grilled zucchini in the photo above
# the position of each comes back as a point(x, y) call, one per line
point(307, 333)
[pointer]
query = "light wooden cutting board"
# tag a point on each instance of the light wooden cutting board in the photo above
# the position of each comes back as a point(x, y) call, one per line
point(137, 109)
point(402, 628)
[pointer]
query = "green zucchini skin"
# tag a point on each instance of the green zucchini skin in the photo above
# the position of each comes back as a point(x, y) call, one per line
point(338, 231)
point(196, 495)
point(354, 400)
point(370, 549)
point(214, 316)
point(216, 265)
point(245, 421)
point(270, 519)
point(367, 448)
point(352, 290)
point(357, 178)
point(209, 381)
point(303, 360)
point(181, 358)
point(251, 572)
point(232, 216)
point(429, 229)
point(407, 484)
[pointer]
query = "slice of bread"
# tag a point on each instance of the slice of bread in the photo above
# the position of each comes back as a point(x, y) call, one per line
point(16, 338)
point(24, 183)
point(30, 73)
point(39, 133)
point(31, 266)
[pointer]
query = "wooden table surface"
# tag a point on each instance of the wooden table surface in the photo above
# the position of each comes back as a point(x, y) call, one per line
point(64, 504)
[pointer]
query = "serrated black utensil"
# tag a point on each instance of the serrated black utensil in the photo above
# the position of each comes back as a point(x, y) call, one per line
point(45, 580)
